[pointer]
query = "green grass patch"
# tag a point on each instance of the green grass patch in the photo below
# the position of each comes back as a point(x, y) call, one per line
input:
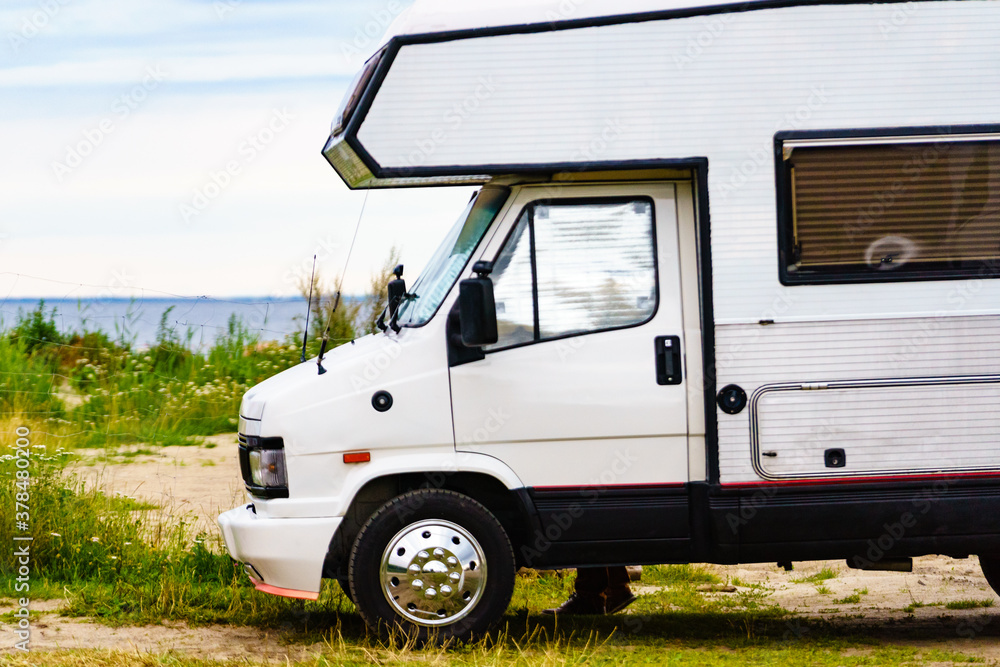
point(823, 575)
point(968, 604)
point(853, 598)
point(671, 575)
point(94, 389)
point(538, 647)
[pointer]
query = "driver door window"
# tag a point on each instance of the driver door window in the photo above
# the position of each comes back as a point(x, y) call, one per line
point(575, 267)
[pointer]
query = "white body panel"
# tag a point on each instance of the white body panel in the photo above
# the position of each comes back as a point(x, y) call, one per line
point(753, 356)
point(584, 410)
point(320, 417)
point(332, 412)
point(287, 553)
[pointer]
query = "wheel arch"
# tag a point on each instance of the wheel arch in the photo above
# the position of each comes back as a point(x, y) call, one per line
point(511, 506)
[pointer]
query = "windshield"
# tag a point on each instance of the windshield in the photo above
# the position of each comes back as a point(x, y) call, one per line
point(430, 289)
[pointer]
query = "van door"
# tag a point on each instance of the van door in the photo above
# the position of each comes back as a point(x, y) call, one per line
point(584, 394)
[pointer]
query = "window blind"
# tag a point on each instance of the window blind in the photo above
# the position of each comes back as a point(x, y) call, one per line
point(894, 207)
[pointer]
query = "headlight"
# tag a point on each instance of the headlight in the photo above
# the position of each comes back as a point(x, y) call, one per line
point(267, 467)
point(262, 464)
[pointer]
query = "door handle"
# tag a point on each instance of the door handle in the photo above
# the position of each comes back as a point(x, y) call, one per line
point(668, 360)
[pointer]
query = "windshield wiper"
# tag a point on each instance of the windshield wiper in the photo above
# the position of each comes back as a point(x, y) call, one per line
point(396, 290)
point(394, 319)
point(326, 335)
point(395, 316)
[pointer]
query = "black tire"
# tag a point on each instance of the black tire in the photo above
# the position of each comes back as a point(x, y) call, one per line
point(449, 573)
point(345, 586)
point(991, 570)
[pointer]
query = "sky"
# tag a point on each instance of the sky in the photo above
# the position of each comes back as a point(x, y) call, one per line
point(173, 146)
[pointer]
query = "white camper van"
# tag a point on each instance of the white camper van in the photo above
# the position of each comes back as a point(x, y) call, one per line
point(729, 292)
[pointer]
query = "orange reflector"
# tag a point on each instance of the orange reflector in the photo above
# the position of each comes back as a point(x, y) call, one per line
point(357, 457)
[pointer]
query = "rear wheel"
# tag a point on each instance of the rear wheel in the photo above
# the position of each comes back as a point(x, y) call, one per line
point(432, 563)
point(991, 569)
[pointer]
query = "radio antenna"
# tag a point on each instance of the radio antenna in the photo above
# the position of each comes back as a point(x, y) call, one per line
point(305, 334)
point(340, 284)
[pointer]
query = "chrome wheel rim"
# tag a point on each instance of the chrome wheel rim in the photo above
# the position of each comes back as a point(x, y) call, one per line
point(433, 572)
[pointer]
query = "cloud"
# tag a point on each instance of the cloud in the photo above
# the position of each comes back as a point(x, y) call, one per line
point(183, 69)
point(81, 42)
point(84, 19)
point(224, 77)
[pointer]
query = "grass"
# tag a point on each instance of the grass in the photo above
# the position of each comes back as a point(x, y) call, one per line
point(954, 605)
point(527, 652)
point(823, 575)
point(853, 598)
point(668, 575)
point(531, 652)
point(167, 394)
point(123, 562)
point(94, 390)
point(968, 604)
point(913, 606)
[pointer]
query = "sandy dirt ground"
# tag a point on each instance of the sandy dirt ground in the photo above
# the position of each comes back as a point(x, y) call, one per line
point(52, 632)
point(196, 483)
point(190, 483)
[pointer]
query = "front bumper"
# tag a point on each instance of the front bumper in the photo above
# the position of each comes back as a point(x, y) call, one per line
point(286, 554)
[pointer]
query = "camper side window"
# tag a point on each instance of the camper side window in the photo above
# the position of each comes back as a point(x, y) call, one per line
point(574, 267)
point(906, 208)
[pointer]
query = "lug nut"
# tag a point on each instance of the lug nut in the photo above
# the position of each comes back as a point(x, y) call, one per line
point(417, 584)
point(430, 593)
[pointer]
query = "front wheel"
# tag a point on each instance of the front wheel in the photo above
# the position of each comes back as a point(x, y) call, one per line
point(345, 587)
point(991, 570)
point(432, 563)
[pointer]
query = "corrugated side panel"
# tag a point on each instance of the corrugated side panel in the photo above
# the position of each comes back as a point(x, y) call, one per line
point(718, 87)
point(907, 426)
point(882, 430)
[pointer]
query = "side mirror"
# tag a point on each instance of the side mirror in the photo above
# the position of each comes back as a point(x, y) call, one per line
point(476, 308)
